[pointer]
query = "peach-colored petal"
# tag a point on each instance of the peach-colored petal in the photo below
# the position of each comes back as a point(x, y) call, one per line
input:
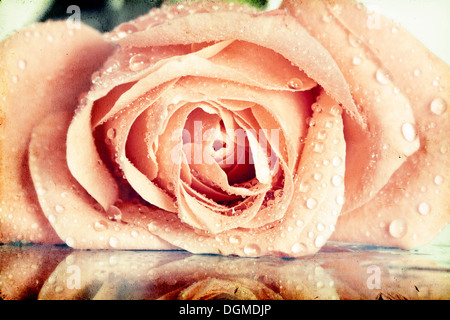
point(54, 63)
point(413, 206)
point(74, 215)
point(373, 154)
point(310, 217)
point(276, 31)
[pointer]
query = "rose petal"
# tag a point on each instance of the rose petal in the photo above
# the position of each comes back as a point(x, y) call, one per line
point(376, 153)
point(413, 207)
point(306, 225)
point(54, 62)
point(66, 204)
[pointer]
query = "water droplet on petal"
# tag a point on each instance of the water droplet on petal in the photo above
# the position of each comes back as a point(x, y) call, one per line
point(51, 218)
point(438, 106)
point(59, 208)
point(357, 61)
point(353, 40)
point(397, 228)
point(70, 242)
point(100, 226)
point(41, 191)
point(138, 62)
point(416, 72)
point(111, 133)
point(394, 30)
point(311, 203)
point(113, 242)
point(152, 227)
point(438, 180)
point(320, 227)
point(298, 247)
point(295, 83)
point(252, 250)
point(409, 132)
point(382, 77)
point(22, 64)
point(337, 180)
point(320, 241)
point(234, 240)
point(423, 208)
point(15, 79)
point(318, 147)
point(303, 187)
point(340, 200)
point(336, 161)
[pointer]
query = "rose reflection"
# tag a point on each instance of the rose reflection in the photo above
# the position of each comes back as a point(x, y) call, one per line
point(335, 273)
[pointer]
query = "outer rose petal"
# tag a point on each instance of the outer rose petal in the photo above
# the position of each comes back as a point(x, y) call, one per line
point(55, 64)
point(72, 212)
point(413, 206)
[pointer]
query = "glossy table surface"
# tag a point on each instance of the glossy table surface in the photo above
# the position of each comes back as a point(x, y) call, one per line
point(338, 271)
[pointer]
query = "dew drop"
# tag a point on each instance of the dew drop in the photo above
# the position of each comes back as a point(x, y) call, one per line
point(234, 240)
point(299, 223)
point(320, 241)
point(409, 132)
point(438, 180)
point(394, 30)
point(51, 218)
point(416, 72)
point(113, 242)
point(311, 203)
point(70, 242)
point(321, 135)
point(320, 227)
point(353, 40)
point(59, 208)
point(340, 200)
point(318, 147)
point(41, 191)
point(252, 250)
point(138, 62)
point(357, 61)
point(22, 64)
point(303, 187)
point(336, 110)
point(295, 83)
point(317, 176)
point(15, 79)
point(125, 29)
point(423, 208)
point(382, 77)
point(152, 227)
point(397, 228)
point(111, 133)
point(298, 247)
point(336, 161)
point(100, 226)
point(337, 180)
point(438, 106)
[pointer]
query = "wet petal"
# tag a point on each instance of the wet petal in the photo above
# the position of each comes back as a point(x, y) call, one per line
point(54, 63)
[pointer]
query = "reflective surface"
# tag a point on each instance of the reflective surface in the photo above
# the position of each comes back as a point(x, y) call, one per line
point(338, 271)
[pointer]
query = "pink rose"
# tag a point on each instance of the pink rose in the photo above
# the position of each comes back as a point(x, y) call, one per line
point(216, 128)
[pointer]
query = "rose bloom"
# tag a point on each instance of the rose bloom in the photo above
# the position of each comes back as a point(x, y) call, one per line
point(217, 128)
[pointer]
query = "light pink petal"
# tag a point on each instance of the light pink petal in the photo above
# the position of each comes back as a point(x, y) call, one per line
point(376, 152)
point(74, 215)
point(310, 217)
point(411, 206)
point(44, 69)
point(275, 30)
